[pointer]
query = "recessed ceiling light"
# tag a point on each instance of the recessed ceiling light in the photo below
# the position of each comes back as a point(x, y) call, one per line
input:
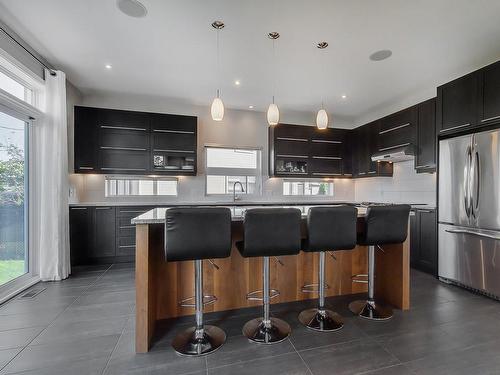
point(108, 66)
point(381, 55)
point(132, 8)
point(237, 82)
point(344, 96)
point(250, 106)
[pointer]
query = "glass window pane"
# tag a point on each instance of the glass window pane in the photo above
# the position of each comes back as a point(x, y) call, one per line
point(15, 88)
point(231, 158)
point(13, 171)
point(167, 187)
point(123, 186)
point(308, 188)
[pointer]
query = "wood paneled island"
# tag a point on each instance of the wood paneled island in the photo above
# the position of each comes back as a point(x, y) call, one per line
point(160, 285)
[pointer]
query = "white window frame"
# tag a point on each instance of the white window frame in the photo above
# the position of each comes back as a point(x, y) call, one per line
point(151, 178)
point(305, 180)
point(235, 171)
point(29, 113)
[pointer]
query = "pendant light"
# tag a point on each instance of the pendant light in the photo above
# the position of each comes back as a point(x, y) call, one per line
point(217, 109)
point(322, 116)
point(273, 113)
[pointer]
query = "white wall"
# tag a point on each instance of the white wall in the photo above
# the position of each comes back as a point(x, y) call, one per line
point(239, 128)
point(406, 186)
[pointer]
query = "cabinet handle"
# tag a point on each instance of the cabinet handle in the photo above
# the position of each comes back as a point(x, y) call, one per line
point(122, 148)
point(122, 128)
point(394, 128)
point(327, 157)
point(425, 211)
point(103, 208)
point(455, 127)
point(78, 208)
point(490, 118)
point(391, 147)
point(292, 156)
point(127, 226)
point(327, 174)
point(291, 139)
point(326, 141)
point(127, 246)
point(172, 131)
point(361, 173)
point(372, 172)
point(123, 169)
point(168, 150)
point(474, 233)
point(86, 168)
point(425, 166)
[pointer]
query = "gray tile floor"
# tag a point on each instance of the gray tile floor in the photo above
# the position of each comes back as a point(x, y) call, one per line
point(85, 325)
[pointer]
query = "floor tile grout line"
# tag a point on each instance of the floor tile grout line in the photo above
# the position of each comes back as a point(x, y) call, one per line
point(250, 360)
point(114, 348)
point(302, 359)
point(53, 320)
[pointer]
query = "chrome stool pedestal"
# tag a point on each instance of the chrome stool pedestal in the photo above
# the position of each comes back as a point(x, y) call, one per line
point(370, 309)
point(266, 330)
point(201, 339)
point(320, 319)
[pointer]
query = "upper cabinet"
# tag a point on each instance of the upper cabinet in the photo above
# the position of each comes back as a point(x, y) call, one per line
point(425, 147)
point(366, 142)
point(489, 94)
point(398, 129)
point(128, 142)
point(457, 104)
point(469, 102)
point(306, 151)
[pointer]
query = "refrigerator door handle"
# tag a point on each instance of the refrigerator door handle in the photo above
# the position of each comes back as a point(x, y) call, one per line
point(475, 193)
point(474, 233)
point(467, 182)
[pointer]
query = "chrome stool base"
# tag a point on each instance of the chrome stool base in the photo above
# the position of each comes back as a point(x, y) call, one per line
point(321, 320)
point(187, 343)
point(256, 331)
point(371, 310)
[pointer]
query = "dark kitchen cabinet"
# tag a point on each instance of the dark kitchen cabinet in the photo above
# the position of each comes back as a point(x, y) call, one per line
point(328, 153)
point(489, 97)
point(104, 233)
point(423, 240)
point(366, 140)
point(398, 129)
point(85, 139)
point(425, 148)
point(80, 233)
point(456, 107)
point(129, 142)
point(125, 231)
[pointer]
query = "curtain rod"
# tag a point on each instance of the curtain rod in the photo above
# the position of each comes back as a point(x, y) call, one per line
point(52, 71)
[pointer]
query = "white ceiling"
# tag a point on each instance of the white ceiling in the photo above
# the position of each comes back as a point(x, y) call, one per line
point(171, 52)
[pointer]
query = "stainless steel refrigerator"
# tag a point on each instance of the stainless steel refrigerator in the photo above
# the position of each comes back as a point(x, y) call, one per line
point(469, 211)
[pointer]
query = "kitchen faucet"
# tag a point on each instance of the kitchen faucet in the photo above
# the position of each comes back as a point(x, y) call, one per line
point(235, 198)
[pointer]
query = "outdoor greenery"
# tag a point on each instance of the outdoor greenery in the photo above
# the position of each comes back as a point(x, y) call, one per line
point(10, 269)
point(12, 176)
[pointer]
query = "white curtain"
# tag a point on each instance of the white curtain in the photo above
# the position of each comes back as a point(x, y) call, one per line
point(51, 182)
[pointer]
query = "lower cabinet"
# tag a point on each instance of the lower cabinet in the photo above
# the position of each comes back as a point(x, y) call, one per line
point(102, 234)
point(423, 240)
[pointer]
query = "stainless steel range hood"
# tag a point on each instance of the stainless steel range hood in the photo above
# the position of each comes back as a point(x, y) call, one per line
point(395, 154)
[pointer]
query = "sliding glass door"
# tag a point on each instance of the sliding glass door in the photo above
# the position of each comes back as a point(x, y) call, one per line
point(13, 198)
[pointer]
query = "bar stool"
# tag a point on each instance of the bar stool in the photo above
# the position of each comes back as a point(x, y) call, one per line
point(329, 229)
point(269, 232)
point(198, 233)
point(383, 225)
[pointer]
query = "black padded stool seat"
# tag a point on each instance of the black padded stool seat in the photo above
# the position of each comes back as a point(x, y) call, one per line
point(330, 228)
point(269, 232)
point(193, 233)
point(383, 225)
point(197, 233)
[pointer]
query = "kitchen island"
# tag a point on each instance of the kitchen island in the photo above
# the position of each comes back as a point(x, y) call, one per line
point(160, 285)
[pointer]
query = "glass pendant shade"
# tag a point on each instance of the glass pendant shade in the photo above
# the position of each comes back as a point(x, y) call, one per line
point(217, 109)
point(322, 119)
point(273, 114)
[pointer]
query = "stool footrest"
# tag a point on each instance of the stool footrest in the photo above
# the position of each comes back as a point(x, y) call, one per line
point(207, 300)
point(313, 288)
point(361, 278)
point(254, 296)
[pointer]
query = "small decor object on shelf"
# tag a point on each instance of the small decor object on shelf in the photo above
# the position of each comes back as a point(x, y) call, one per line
point(158, 160)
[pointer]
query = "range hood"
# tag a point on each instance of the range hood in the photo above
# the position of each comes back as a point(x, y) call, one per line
point(395, 154)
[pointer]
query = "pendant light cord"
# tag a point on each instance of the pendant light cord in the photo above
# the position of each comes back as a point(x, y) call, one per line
point(218, 67)
point(274, 69)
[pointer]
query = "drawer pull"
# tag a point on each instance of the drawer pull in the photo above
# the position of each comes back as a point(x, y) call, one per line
point(326, 141)
point(123, 169)
point(292, 156)
point(394, 128)
point(103, 208)
point(126, 246)
point(372, 172)
point(172, 131)
point(291, 139)
point(86, 168)
point(78, 208)
point(327, 157)
point(455, 127)
point(122, 128)
point(127, 226)
point(169, 150)
point(327, 174)
point(122, 148)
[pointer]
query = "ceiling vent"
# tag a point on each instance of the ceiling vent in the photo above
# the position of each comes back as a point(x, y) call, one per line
point(132, 8)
